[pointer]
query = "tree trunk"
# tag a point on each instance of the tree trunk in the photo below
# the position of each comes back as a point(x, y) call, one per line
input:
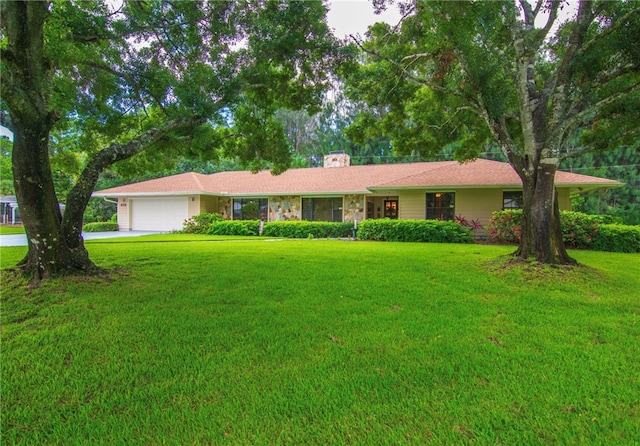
point(541, 233)
point(27, 78)
point(79, 196)
point(48, 253)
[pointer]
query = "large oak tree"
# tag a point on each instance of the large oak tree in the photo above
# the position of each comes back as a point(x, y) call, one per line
point(512, 71)
point(199, 77)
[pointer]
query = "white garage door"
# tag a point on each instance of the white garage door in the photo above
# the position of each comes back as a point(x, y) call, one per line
point(158, 214)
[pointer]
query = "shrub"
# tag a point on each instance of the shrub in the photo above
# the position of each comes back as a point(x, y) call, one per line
point(200, 224)
point(100, 226)
point(414, 231)
point(616, 238)
point(234, 227)
point(307, 229)
point(504, 226)
point(579, 230)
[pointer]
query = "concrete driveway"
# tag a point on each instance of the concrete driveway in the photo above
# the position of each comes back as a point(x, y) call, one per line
point(21, 239)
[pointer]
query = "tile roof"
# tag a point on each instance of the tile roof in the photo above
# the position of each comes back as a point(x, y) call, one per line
point(349, 179)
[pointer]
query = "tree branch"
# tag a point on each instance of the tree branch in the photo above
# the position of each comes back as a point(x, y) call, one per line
point(409, 75)
point(78, 197)
point(583, 114)
point(620, 23)
point(543, 32)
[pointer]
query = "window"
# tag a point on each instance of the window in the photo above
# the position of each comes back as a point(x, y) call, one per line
point(250, 208)
point(512, 200)
point(391, 209)
point(441, 206)
point(322, 209)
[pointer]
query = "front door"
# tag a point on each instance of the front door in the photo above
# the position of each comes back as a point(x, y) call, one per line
point(391, 209)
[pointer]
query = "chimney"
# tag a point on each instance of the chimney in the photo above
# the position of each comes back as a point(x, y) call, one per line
point(337, 159)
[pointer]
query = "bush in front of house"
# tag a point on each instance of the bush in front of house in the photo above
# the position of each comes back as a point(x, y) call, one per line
point(307, 229)
point(234, 227)
point(100, 226)
point(616, 238)
point(201, 223)
point(504, 226)
point(435, 231)
point(579, 230)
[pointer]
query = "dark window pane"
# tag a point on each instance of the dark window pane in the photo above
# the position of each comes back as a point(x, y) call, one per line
point(441, 206)
point(322, 209)
point(512, 200)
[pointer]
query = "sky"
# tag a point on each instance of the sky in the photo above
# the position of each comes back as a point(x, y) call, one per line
point(345, 17)
point(355, 16)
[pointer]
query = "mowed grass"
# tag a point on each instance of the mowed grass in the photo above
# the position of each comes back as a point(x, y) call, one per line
point(323, 342)
point(11, 229)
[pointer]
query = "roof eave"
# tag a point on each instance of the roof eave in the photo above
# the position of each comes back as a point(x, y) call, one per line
point(149, 194)
point(587, 187)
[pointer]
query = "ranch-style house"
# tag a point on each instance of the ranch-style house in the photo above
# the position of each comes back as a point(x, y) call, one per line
point(336, 192)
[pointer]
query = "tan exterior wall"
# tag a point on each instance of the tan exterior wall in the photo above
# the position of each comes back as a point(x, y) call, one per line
point(193, 206)
point(411, 205)
point(564, 199)
point(472, 204)
point(123, 214)
point(478, 204)
point(374, 207)
point(208, 204)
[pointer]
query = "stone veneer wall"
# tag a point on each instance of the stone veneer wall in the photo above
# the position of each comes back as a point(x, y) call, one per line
point(285, 208)
point(224, 208)
point(353, 208)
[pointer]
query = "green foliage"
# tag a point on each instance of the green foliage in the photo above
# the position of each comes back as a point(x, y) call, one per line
point(100, 226)
point(616, 238)
point(234, 227)
point(108, 84)
point(504, 226)
point(250, 210)
point(307, 229)
point(201, 223)
point(6, 173)
point(435, 231)
point(99, 209)
point(464, 72)
point(579, 230)
point(622, 164)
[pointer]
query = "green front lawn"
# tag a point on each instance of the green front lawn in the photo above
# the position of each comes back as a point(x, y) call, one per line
point(322, 342)
point(11, 229)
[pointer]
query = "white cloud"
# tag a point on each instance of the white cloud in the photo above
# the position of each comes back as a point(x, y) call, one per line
point(355, 16)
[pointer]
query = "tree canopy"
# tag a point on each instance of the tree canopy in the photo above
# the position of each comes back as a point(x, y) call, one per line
point(512, 72)
point(201, 78)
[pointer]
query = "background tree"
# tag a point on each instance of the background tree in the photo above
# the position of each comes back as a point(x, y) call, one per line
point(513, 72)
point(189, 77)
point(6, 176)
point(622, 164)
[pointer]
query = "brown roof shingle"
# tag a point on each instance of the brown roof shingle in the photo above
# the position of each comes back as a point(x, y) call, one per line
point(343, 180)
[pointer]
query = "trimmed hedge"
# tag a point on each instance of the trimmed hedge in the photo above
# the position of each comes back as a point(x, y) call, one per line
point(414, 231)
point(234, 227)
point(581, 231)
point(617, 238)
point(307, 229)
point(214, 224)
point(100, 226)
